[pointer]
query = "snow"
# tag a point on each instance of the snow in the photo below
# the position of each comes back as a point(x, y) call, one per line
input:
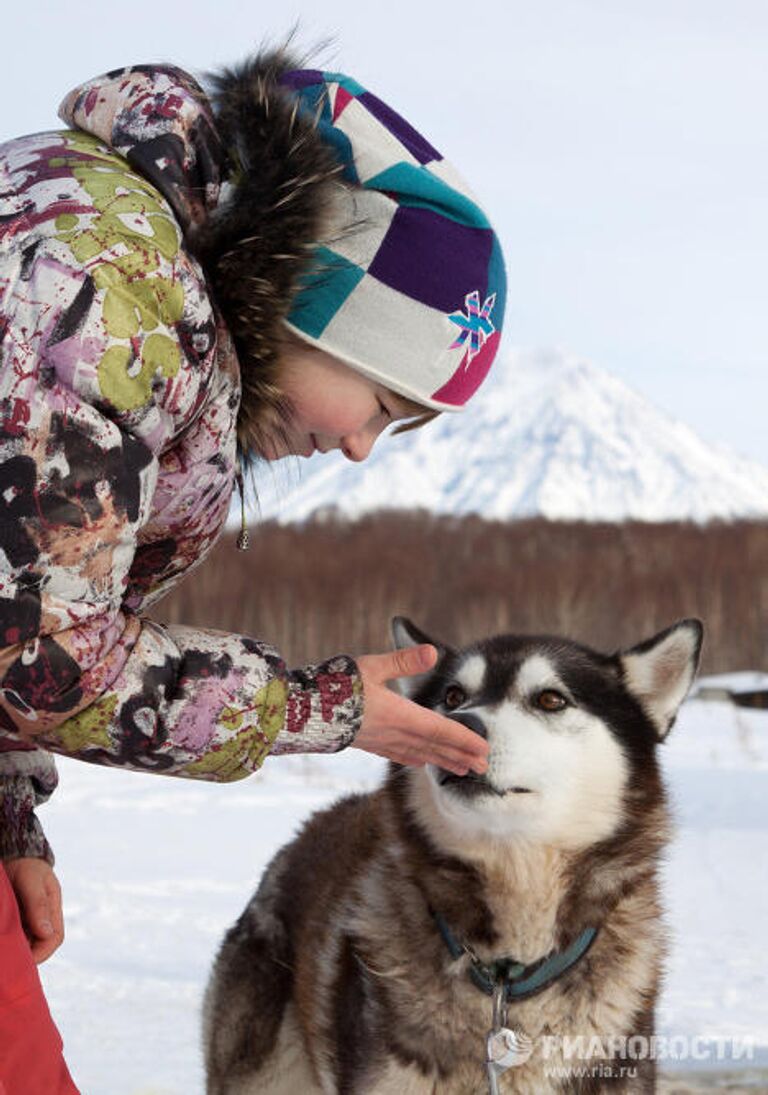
point(549, 434)
point(154, 870)
point(746, 681)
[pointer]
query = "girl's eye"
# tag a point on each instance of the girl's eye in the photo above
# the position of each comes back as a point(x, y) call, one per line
point(454, 697)
point(550, 700)
point(384, 410)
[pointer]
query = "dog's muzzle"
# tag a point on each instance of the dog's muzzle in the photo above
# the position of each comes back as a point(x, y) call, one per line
point(472, 783)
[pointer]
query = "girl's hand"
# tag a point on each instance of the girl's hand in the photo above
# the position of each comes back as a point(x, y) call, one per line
point(38, 894)
point(400, 730)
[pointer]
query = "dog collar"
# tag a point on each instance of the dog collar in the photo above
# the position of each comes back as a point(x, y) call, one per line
point(520, 981)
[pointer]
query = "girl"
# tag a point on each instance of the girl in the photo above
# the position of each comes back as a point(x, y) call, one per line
point(188, 282)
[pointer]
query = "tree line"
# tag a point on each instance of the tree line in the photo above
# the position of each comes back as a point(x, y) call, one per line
point(332, 585)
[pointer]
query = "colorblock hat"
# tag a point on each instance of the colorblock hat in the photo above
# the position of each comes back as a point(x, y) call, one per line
point(410, 288)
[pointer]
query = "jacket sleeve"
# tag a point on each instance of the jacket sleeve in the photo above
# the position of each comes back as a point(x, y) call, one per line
point(114, 377)
point(27, 779)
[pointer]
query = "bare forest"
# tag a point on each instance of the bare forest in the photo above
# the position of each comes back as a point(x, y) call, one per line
point(332, 585)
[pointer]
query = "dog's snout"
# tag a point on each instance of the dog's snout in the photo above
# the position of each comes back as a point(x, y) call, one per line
point(472, 722)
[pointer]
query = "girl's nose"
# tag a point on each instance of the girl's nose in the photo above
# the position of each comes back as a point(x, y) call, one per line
point(356, 446)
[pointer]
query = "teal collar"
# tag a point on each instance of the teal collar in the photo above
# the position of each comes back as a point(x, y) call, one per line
point(520, 981)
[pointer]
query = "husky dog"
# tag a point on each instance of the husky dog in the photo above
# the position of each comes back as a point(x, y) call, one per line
point(382, 940)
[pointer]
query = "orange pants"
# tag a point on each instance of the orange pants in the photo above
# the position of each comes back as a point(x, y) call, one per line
point(31, 1061)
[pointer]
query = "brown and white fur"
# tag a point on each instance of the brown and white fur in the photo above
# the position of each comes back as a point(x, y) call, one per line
point(335, 978)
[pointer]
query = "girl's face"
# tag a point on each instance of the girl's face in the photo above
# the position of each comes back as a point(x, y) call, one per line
point(332, 406)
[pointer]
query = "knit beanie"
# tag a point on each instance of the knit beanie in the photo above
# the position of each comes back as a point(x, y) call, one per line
point(409, 288)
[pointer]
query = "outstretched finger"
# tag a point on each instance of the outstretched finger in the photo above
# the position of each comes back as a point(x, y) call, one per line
point(448, 737)
point(408, 662)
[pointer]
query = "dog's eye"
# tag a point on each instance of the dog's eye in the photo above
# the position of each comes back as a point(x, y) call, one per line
point(454, 697)
point(550, 700)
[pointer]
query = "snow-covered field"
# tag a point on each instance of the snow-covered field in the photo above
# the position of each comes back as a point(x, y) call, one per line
point(154, 870)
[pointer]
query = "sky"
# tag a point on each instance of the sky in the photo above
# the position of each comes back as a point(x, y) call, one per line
point(620, 149)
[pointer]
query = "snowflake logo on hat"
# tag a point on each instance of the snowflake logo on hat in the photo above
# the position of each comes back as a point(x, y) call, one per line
point(476, 326)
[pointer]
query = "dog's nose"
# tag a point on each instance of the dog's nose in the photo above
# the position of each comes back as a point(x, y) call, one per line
point(472, 722)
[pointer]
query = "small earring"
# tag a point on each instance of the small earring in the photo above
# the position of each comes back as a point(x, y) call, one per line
point(244, 537)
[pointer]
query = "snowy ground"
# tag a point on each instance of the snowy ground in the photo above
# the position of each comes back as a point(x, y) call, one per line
point(154, 870)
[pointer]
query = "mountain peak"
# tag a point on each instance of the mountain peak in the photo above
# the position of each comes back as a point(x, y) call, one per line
point(550, 434)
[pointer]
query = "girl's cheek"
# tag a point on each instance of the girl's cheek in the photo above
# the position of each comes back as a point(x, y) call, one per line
point(336, 424)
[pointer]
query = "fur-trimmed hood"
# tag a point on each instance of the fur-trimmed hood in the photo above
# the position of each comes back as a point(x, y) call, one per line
point(249, 181)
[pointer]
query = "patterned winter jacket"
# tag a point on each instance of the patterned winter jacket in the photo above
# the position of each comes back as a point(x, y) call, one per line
point(124, 390)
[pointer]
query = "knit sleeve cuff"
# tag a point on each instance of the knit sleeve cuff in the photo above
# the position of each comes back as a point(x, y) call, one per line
point(324, 708)
point(27, 779)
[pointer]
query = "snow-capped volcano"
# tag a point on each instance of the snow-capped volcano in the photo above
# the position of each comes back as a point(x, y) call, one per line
point(551, 435)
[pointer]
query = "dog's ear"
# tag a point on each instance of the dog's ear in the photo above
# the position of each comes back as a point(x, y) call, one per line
point(405, 633)
point(659, 671)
